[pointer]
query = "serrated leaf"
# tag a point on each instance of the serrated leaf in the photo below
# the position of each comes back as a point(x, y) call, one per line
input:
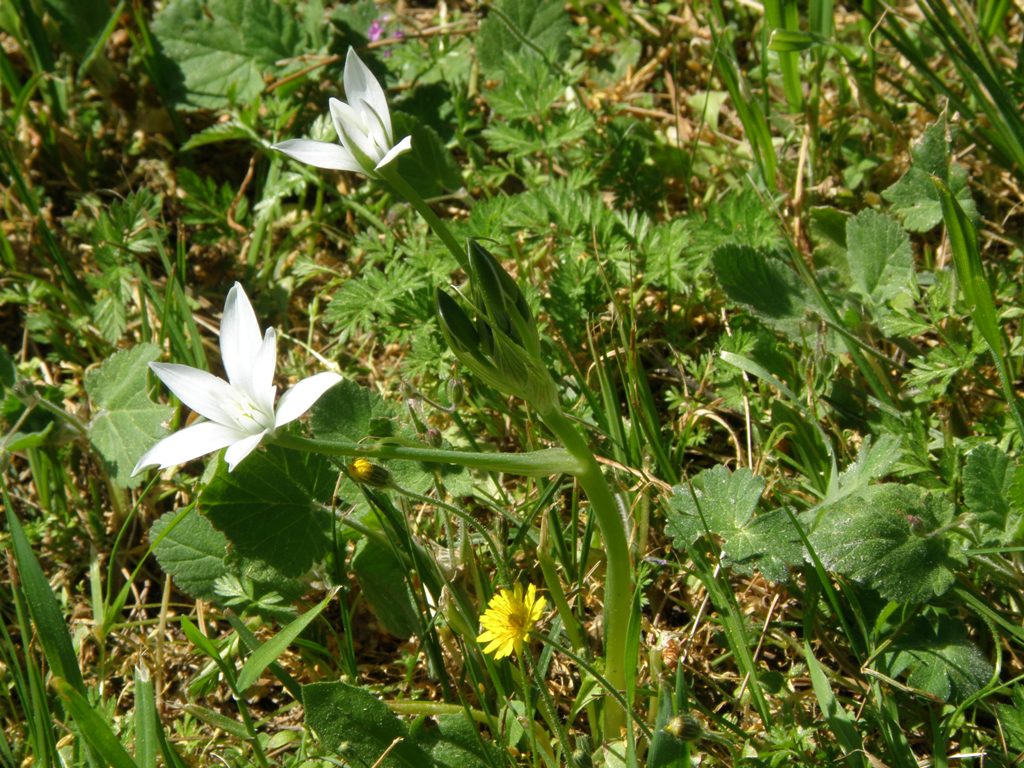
point(543, 23)
point(721, 501)
point(348, 413)
point(271, 507)
point(764, 284)
point(1011, 718)
point(723, 504)
point(343, 714)
point(913, 196)
point(988, 477)
point(126, 423)
point(381, 575)
point(192, 553)
point(219, 51)
point(884, 536)
point(879, 255)
point(940, 659)
point(874, 460)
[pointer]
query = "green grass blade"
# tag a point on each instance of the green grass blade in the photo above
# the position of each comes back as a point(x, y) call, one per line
point(755, 124)
point(970, 272)
point(270, 650)
point(146, 721)
point(781, 15)
point(93, 728)
point(43, 607)
point(838, 719)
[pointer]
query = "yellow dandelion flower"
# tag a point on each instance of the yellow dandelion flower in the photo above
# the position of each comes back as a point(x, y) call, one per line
point(508, 620)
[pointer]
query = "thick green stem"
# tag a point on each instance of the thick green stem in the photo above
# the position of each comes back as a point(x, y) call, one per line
point(550, 461)
point(403, 188)
point(618, 585)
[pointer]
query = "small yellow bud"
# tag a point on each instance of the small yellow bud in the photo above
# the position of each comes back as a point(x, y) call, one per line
point(364, 471)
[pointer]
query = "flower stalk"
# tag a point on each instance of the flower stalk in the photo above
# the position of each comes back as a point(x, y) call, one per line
point(549, 461)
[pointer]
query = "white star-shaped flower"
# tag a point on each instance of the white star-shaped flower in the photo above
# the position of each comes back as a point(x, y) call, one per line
point(363, 125)
point(239, 412)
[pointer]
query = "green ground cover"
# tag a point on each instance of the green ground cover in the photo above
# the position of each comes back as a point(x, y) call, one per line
point(663, 390)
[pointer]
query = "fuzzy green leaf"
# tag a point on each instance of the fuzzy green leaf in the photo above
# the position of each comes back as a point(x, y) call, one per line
point(358, 725)
point(192, 552)
point(764, 284)
point(1011, 717)
point(382, 578)
point(218, 52)
point(878, 251)
point(271, 507)
point(521, 28)
point(455, 743)
point(884, 536)
point(913, 196)
point(125, 422)
point(988, 477)
point(723, 504)
point(940, 659)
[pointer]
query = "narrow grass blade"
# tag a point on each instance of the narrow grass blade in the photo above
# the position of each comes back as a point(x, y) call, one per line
point(755, 124)
point(42, 605)
point(970, 272)
point(146, 721)
point(838, 719)
point(781, 15)
point(93, 728)
point(270, 650)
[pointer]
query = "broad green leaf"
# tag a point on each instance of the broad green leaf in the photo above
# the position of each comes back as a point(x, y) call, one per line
point(874, 460)
point(192, 552)
point(267, 653)
point(125, 422)
point(940, 659)
point(879, 255)
point(988, 477)
point(885, 536)
point(455, 742)
point(1011, 718)
point(220, 52)
point(430, 167)
point(348, 413)
point(723, 504)
point(515, 28)
point(342, 714)
point(913, 197)
point(78, 22)
point(381, 574)
point(271, 507)
point(762, 283)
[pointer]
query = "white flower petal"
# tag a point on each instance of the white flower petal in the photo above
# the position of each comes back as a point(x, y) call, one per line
point(238, 451)
point(322, 154)
point(240, 338)
point(201, 391)
point(263, 389)
point(401, 147)
point(189, 443)
point(352, 128)
point(361, 84)
point(300, 398)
